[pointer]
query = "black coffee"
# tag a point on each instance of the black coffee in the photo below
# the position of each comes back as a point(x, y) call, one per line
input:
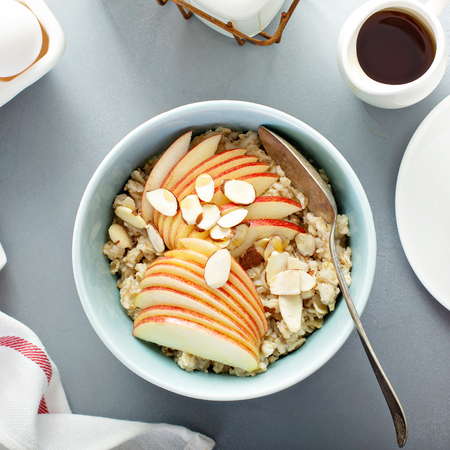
point(393, 47)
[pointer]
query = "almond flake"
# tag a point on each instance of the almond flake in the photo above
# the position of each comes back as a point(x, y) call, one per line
point(296, 264)
point(305, 244)
point(218, 233)
point(126, 214)
point(204, 186)
point(307, 282)
point(118, 234)
point(320, 307)
point(239, 234)
point(224, 243)
point(239, 191)
point(233, 218)
point(129, 203)
point(155, 238)
point(291, 308)
point(163, 201)
point(275, 264)
point(278, 243)
point(210, 216)
point(285, 283)
point(191, 209)
point(217, 268)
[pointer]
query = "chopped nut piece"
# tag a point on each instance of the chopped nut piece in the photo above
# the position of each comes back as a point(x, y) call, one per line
point(251, 258)
point(191, 209)
point(129, 203)
point(211, 214)
point(233, 218)
point(126, 214)
point(238, 236)
point(291, 307)
point(204, 186)
point(119, 236)
point(307, 281)
point(218, 233)
point(217, 268)
point(163, 201)
point(285, 283)
point(238, 191)
point(305, 244)
point(275, 264)
point(155, 238)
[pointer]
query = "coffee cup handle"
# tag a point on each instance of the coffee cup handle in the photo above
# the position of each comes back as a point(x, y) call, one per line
point(437, 6)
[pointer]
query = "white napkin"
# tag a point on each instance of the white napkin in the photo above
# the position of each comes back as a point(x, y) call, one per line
point(35, 414)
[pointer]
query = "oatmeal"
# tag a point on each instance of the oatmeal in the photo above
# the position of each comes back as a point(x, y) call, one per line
point(274, 262)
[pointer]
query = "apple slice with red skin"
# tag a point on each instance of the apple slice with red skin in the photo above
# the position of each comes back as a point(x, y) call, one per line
point(208, 248)
point(238, 277)
point(233, 287)
point(161, 169)
point(226, 293)
point(187, 314)
point(166, 296)
point(207, 164)
point(261, 228)
point(196, 339)
point(266, 207)
point(182, 284)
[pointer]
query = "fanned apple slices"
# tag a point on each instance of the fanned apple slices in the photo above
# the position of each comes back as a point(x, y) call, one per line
point(208, 208)
point(179, 309)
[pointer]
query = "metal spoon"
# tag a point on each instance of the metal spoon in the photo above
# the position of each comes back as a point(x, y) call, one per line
point(321, 202)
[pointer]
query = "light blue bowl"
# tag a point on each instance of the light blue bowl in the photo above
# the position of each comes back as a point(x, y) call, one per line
point(97, 287)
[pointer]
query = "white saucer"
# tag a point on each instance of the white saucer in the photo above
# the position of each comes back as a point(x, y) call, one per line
point(422, 202)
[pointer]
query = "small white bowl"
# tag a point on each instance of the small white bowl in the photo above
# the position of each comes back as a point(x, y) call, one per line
point(54, 44)
point(97, 287)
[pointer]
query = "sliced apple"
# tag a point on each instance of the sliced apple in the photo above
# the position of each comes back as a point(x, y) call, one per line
point(197, 339)
point(165, 296)
point(187, 314)
point(227, 293)
point(161, 169)
point(183, 285)
point(234, 287)
point(223, 167)
point(261, 228)
point(204, 166)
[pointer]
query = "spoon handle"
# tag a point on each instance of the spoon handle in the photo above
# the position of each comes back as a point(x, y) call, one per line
point(398, 416)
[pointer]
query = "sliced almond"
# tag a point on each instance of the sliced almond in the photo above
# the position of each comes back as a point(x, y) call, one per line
point(130, 216)
point(239, 191)
point(251, 258)
point(307, 281)
point(210, 216)
point(218, 233)
point(305, 244)
point(285, 283)
point(155, 238)
point(233, 218)
point(163, 201)
point(319, 306)
point(276, 263)
point(118, 234)
point(191, 209)
point(129, 203)
point(308, 294)
point(296, 264)
point(291, 308)
point(275, 243)
point(238, 236)
point(204, 186)
point(224, 243)
point(261, 244)
point(217, 268)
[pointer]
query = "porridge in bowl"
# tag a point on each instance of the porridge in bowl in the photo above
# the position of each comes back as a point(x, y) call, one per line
point(218, 258)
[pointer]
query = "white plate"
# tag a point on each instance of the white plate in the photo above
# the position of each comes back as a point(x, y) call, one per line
point(422, 202)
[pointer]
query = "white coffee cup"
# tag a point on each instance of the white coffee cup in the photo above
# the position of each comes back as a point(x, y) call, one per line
point(383, 95)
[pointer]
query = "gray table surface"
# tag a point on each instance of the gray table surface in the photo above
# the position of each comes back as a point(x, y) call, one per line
point(129, 60)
